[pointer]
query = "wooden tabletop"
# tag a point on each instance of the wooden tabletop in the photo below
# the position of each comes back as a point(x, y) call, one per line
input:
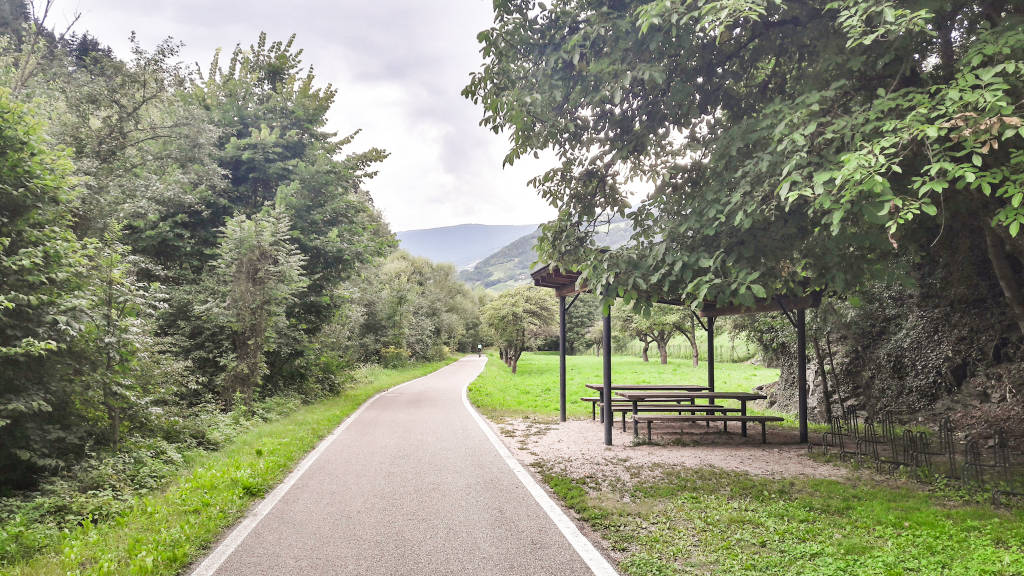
point(641, 395)
point(651, 387)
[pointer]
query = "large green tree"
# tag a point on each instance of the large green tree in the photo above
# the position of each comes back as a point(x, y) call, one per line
point(255, 276)
point(786, 146)
point(657, 326)
point(518, 320)
point(145, 154)
point(274, 149)
point(411, 305)
point(42, 294)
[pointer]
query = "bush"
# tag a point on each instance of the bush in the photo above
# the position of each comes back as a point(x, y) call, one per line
point(437, 352)
point(392, 357)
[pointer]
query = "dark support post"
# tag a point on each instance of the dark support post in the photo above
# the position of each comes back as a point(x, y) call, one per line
point(607, 395)
point(711, 354)
point(801, 370)
point(561, 358)
point(711, 362)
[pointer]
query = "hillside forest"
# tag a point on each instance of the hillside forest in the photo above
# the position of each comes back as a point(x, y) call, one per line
point(183, 252)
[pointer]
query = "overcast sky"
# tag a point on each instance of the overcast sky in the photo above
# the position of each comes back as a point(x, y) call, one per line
point(398, 65)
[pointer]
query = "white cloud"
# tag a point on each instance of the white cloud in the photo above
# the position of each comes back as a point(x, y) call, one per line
point(398, 66)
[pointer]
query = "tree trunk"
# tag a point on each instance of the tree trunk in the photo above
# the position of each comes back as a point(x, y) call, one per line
point(947, 56)
point(643, 353)
point(663, 351)
point(835, 375)
point(1004, 273)
point(691, 337)
point(113, 416)
point(514, 361)
point(820, 359)
point(115, 425)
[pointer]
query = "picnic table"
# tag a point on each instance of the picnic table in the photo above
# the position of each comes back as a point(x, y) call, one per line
point(637, 387)
point(636, 396)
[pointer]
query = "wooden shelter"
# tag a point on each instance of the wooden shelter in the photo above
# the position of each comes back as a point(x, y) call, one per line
point(565, 284)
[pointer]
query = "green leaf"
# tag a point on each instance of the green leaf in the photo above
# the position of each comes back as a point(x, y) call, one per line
point(976, 159)
point(929, 209)
point(758, 290)
point(1014, 228)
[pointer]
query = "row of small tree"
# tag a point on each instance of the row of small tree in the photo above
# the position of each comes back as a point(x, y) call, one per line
point(658, 326)
point(526, 318)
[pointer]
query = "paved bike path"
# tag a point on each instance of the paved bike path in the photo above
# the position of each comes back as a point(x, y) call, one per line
point(413, 485)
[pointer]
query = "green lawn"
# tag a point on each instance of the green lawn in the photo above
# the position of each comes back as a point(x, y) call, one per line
point(534, 389)
point(704, 521)
point(165, 531)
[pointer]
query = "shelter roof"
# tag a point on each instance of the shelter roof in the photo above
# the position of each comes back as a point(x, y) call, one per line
point(565, 283)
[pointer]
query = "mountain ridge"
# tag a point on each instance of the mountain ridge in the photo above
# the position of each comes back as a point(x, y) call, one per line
point(510, 265)
point(462, 244)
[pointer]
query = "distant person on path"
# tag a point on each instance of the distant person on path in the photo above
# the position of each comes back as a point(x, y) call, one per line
point(479, 348)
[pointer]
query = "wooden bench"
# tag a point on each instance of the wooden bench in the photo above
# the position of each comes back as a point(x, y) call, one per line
point(627, 408)
point(724, 419)
point(595, 400)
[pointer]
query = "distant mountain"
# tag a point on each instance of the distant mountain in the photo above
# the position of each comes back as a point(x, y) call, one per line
point(507, 268)
point(511, 265)
point(462, 245)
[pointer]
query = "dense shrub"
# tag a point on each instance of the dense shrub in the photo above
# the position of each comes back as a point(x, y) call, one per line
point(392, 357)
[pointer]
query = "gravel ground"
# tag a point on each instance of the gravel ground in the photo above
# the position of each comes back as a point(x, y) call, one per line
point(576, 448)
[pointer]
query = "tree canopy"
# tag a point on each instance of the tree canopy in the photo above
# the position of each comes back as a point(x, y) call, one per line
point(657, 325)
point(518, 319)
point(170, 241)
point(768, 146)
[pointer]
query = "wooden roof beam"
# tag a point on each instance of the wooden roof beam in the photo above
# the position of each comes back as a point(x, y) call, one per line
point(777, 304)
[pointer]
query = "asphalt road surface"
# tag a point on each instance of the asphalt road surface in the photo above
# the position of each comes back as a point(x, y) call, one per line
point(412, 486)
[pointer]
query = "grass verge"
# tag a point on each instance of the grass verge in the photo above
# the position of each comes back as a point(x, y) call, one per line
point(704, 521)
point(165, 531)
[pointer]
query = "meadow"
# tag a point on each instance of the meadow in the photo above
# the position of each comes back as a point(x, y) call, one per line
point(533, 390)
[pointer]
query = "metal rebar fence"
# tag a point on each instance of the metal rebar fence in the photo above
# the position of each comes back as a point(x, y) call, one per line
point(986, 460)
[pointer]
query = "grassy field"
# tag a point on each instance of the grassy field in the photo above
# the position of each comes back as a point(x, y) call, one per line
point(705, 521)
point(534, 389)
point(165, 531)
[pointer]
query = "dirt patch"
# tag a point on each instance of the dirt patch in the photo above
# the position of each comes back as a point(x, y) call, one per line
point(576, 448)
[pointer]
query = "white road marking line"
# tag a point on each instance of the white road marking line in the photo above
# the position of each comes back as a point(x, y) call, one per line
point(235, 538)
point(594, 560)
